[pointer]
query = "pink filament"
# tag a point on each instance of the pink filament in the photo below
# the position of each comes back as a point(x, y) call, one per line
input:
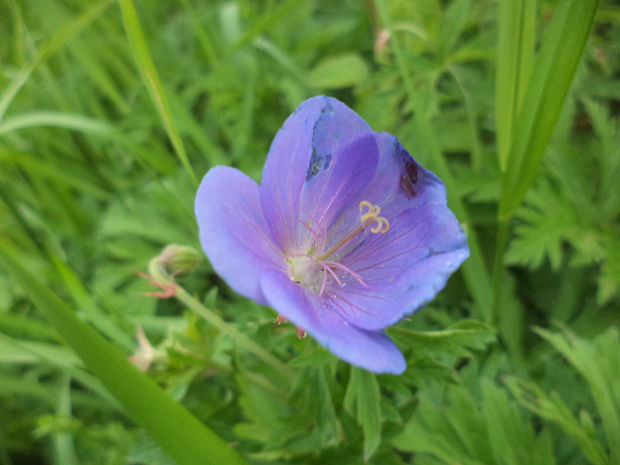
point(318, 235)
point(327, 268)
point(356, 276)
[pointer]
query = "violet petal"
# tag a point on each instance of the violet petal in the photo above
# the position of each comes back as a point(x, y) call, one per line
point(406, 267)
point(302, 149)
point(233, 231)
point(372, 350)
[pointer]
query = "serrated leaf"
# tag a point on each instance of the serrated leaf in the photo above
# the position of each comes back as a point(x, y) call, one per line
point(456, 427)
point(598, 362)
point(312, 396)
point(459, 339)
point(363, 400)
point(547, 218)
point(554, 409)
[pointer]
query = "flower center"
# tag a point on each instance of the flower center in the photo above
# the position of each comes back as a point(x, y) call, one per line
point(314, 272)
point(304, 270)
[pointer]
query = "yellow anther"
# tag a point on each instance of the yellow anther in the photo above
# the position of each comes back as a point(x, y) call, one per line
point(373, 210)
point(382, 225)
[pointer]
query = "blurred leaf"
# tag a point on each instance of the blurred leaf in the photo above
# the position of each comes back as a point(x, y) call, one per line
point(148, 452)
point(73, 175)
point(548, 219)
point(311, 394)
point(454, 21)
point(338, 71)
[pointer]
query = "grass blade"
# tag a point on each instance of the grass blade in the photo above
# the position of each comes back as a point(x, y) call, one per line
point(522, 151)
point(515, 56)
point(63, 441)
point(60, 39)
point(56, 119)
point(156, 89)
point(551, 78)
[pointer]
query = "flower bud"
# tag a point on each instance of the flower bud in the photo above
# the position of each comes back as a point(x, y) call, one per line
point(179, 258)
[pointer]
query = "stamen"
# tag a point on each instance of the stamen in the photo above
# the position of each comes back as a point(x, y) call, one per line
point(327, 268)
point(340, 266)
point(324, 280)
point(372, 215)
point(312, 229)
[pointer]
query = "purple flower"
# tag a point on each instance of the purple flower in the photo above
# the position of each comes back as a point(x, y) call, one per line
point(345, 236)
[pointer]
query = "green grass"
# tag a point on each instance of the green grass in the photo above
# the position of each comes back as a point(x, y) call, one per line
point(111, 112)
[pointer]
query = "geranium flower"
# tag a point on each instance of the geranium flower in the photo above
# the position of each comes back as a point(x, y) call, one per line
point(346, 235)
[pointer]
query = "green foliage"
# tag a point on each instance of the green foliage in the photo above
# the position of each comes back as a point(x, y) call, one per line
point(338, 71)
point(109, 114)
point(576, 203)
point(363, 399)
point(137, 393)
point(455, 427)
point(598, 363)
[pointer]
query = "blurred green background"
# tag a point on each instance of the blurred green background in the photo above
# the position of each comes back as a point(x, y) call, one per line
point(111, 112)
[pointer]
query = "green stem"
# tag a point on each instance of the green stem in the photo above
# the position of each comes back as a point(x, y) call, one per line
point(498, 268)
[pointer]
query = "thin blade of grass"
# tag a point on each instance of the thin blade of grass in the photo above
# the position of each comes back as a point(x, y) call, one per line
point(61, 38)
point(63, 441)
point(515, 55)
point(56, 119)
point(176, 430)
point(151, 76)
point(86, 302)
point(18, 351)
point(73, 176)
point(206, 44)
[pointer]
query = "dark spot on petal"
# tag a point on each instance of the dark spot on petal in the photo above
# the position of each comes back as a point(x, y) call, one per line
point(320, 159)
point(317, 164)
point(408, 178)
point(409, 173)
point(412, 171)
point(406, 186)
